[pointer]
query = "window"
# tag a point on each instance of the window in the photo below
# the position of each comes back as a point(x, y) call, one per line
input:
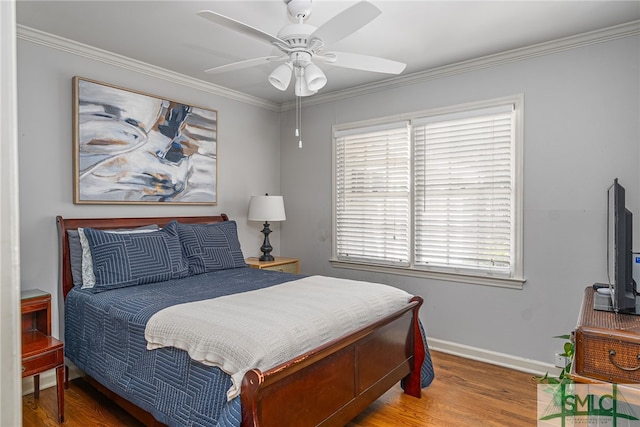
point(436, 194)
point(373, 200)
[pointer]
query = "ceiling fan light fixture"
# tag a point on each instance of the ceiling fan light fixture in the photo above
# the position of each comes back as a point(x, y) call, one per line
point(314, 77)
point(281, 76)
point(301, 88)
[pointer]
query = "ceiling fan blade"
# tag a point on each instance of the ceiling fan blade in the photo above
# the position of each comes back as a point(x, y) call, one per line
point(346, 22)
point(239, 26)
point(362, 62)
point(245, 64)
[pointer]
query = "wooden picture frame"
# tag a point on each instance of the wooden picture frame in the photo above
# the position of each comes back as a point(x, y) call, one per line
point(130, 147)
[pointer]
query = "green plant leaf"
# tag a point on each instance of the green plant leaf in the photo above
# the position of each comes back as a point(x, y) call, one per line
point(564, 337)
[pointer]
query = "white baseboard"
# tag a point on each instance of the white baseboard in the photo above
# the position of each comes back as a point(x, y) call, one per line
point(530, 366)
point(48, 378)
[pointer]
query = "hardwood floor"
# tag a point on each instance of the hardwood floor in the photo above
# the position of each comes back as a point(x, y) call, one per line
point(464, 393)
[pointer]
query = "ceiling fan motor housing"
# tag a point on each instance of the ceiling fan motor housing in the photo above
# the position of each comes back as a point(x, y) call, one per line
point(296, 35)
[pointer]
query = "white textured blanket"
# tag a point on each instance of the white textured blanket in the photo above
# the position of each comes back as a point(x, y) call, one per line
point(264, 328)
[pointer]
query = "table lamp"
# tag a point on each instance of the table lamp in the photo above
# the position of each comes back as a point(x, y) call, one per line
point(266, 208)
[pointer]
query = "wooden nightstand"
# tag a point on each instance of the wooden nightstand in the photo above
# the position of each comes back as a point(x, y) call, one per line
point(286, 265)
point(40, 351)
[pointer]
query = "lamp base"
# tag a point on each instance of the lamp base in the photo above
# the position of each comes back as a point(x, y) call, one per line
point(266, 247)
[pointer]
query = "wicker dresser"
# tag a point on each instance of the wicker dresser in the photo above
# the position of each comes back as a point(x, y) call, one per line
point(607, 345)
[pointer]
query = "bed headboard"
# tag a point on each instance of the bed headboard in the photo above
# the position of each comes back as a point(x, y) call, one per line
point(64, 224)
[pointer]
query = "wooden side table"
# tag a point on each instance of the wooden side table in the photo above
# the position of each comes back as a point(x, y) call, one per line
point(40, 351)
point(286, 265)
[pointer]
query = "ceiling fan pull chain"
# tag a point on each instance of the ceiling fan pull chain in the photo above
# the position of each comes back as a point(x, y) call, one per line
point(297, 132)
point(299, 120)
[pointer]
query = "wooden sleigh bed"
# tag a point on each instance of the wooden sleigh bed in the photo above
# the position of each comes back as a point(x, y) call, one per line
point(326, 386)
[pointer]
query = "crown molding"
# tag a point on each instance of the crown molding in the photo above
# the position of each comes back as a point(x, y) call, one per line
point(46, 39)
point(628, 29)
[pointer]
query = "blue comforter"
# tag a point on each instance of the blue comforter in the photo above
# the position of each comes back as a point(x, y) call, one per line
point(104, 337)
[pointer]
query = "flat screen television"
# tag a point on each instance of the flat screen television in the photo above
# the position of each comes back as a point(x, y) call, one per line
point(621, 287)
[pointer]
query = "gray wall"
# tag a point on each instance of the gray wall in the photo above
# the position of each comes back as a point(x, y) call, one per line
point(248, 157)
point(581, 131)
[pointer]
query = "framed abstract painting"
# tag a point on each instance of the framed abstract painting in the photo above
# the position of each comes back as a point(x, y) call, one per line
point(135, 148)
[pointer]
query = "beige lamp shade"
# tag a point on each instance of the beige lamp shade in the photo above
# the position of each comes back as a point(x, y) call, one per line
point(266, 208)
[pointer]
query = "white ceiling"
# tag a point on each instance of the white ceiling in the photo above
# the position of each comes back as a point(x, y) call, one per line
point(423, 34)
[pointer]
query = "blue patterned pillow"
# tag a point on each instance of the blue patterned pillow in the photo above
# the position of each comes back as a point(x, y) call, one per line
point(211, 247)
point(77, 252)
point(129, 259)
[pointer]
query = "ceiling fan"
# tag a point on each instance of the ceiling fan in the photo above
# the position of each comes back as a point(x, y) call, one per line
point(301, 44)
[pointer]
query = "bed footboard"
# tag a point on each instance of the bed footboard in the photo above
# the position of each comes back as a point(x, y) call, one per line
point(332, 384)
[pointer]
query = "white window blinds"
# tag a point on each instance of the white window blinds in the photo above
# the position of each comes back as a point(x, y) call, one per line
point(464, 191)
point(372, 179)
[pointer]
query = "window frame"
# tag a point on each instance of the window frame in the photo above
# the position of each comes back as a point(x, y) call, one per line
point(516, 279)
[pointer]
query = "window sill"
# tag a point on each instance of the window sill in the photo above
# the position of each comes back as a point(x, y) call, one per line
point(501, 282)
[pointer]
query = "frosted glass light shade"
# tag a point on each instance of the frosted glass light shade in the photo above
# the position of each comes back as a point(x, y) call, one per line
point(281, 76)
point(314, 77)
point(266, 208)
point(301, 88)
